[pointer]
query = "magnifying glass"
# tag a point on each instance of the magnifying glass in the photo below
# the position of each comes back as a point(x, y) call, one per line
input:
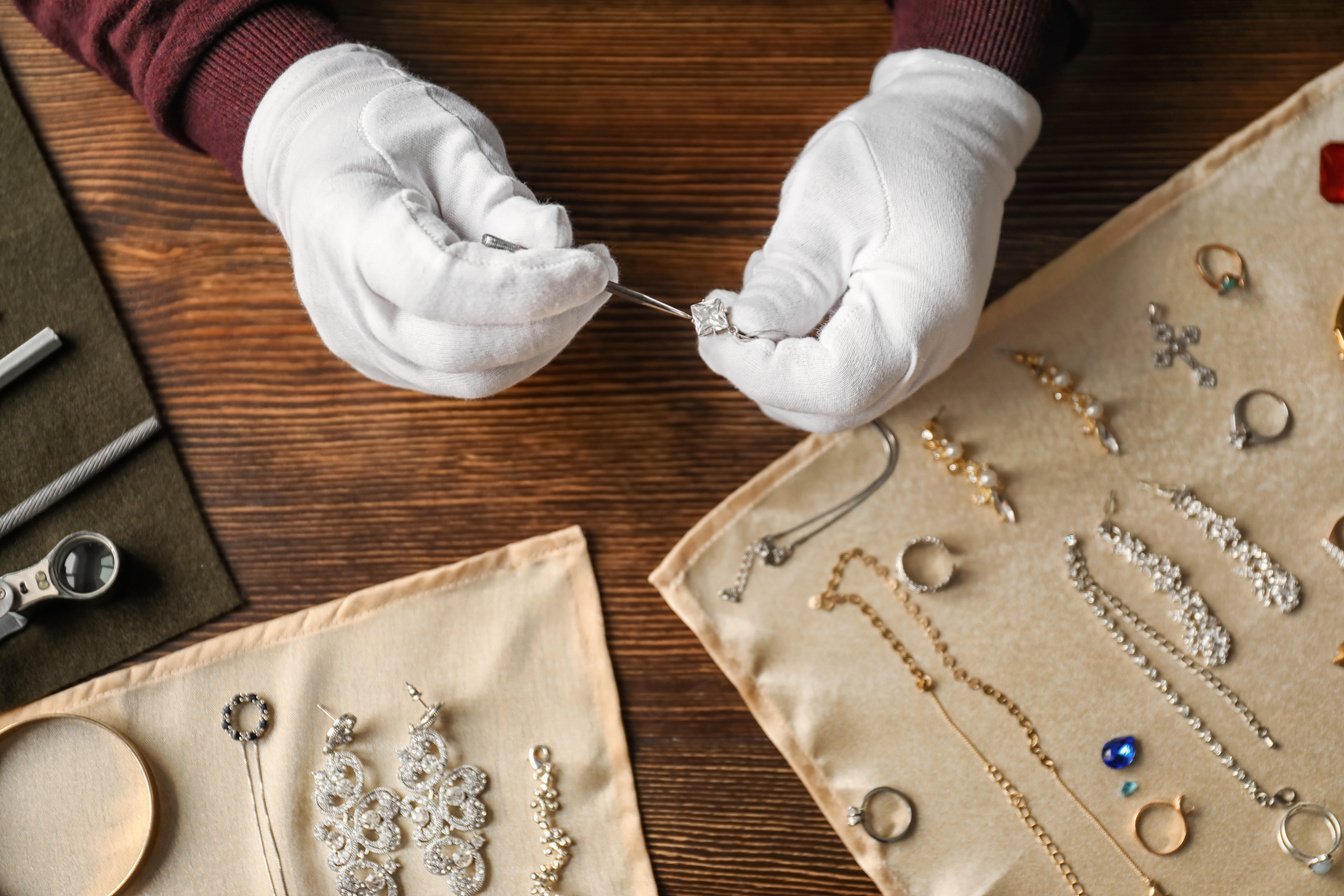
point(82, 566)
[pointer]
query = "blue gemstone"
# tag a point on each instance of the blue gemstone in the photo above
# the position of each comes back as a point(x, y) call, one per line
point(1128, 788)
point(1120, 752)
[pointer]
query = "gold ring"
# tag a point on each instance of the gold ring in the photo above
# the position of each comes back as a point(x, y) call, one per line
point(1177, 805)
point(1333, 542)
point(1339, 329)
point(1227, 280)
point(150, 790)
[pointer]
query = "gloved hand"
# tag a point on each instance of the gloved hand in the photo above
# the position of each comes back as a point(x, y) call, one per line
point(888, 223)
point(383, 184)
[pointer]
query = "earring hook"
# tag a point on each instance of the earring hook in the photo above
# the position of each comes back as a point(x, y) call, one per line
point(431, 712)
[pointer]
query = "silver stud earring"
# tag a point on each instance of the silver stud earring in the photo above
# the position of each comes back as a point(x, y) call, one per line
point(1202, 633)
point(443, 804)
point(356, 826)
point(1274, 586)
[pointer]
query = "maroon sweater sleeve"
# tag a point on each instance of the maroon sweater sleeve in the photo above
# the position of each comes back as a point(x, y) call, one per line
point(1025, 39)
point(199, 67)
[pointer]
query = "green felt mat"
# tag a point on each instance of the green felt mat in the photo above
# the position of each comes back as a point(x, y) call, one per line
point(80, 398)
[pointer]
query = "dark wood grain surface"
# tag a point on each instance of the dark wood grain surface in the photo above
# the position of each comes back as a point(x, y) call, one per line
point(666, 126)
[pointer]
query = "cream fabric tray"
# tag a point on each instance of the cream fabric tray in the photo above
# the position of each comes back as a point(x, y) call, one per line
point(841, 707)
point(512, 643)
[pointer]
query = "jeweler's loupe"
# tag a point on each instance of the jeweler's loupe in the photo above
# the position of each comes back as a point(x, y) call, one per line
point(82, 566)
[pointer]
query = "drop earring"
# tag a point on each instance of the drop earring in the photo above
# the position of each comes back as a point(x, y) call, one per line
point(1060, 382)
point(1202, 634)
point(952, 456)
point(443, 804)
point(1274, 586)
point(356, 826)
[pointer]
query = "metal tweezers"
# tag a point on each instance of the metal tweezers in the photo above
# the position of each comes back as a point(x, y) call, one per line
point(616, 289)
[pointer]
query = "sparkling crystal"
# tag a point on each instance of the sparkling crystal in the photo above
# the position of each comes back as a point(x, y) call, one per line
point(710, 317)
point(1332, 172)
point(1120, 752)
point(1128, 788)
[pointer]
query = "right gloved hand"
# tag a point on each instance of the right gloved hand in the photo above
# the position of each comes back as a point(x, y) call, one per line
point(382, 185)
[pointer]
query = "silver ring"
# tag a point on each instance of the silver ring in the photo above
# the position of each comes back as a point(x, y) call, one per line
point(1319, 864)
point(858, 815)
point(922, 587)
point(1242, 436)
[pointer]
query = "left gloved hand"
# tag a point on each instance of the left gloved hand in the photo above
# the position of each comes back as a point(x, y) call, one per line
point(888, 223)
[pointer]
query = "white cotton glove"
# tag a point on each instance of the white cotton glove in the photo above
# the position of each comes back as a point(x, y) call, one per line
point(888, 222)
point(383, 184)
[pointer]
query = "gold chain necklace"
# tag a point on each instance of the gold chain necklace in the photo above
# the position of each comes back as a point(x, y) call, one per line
point(832, 597)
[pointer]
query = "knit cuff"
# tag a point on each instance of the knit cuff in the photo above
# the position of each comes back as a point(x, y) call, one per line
point(218, 100)
point(1027, 40)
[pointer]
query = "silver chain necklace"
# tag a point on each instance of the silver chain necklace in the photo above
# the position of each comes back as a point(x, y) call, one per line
point(770, 550)
point(1108, 609)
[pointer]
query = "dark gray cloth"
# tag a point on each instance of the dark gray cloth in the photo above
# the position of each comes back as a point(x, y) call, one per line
point(80, 398)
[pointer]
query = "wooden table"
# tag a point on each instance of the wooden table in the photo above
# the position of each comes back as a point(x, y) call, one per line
point(666, 127)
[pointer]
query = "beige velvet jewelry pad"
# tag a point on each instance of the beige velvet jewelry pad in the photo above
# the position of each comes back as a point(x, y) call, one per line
point(842, 708)
point(510, 641)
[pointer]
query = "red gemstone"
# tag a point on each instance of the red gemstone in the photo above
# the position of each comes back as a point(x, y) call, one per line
point(1332, 172)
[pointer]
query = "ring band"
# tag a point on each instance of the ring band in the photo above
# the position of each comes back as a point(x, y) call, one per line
point(231, 709)
point(1338, 329)
point(1322, 863)
point(1176, 805)
point(150, 790)
point(910, 582)
point(1243, 436)
point(858, 815)
point(1228, 280)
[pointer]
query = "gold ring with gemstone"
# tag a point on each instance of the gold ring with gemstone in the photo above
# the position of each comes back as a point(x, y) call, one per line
point(1228, 280)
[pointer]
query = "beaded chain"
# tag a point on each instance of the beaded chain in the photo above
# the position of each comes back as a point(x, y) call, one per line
point(1107, 608)
point(832, 597)
point(555, 843)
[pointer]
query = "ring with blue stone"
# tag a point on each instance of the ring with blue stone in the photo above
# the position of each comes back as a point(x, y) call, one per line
point(1322, 862)
point(1120, 752)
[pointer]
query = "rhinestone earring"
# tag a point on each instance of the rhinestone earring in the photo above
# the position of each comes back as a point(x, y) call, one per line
point(1202, 633)
point(1274, 586)
point(356, 826)
point(443, 804)
point(1060, 382)
point(951, 455)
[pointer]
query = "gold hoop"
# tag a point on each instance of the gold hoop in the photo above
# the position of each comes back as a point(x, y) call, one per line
point(150, 790)
point(1228, 280)
point(1176, 805)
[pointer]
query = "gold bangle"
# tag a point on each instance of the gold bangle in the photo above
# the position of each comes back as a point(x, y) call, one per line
point(150, 790)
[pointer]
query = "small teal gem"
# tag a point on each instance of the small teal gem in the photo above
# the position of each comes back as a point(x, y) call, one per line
point(1120, 752)
point(1229, 283)
point(1128, 788)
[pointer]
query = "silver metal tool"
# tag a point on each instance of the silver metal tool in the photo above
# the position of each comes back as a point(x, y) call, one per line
point(82, 566)
point(77, 475)
point(25, 357)
point(493, 242)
